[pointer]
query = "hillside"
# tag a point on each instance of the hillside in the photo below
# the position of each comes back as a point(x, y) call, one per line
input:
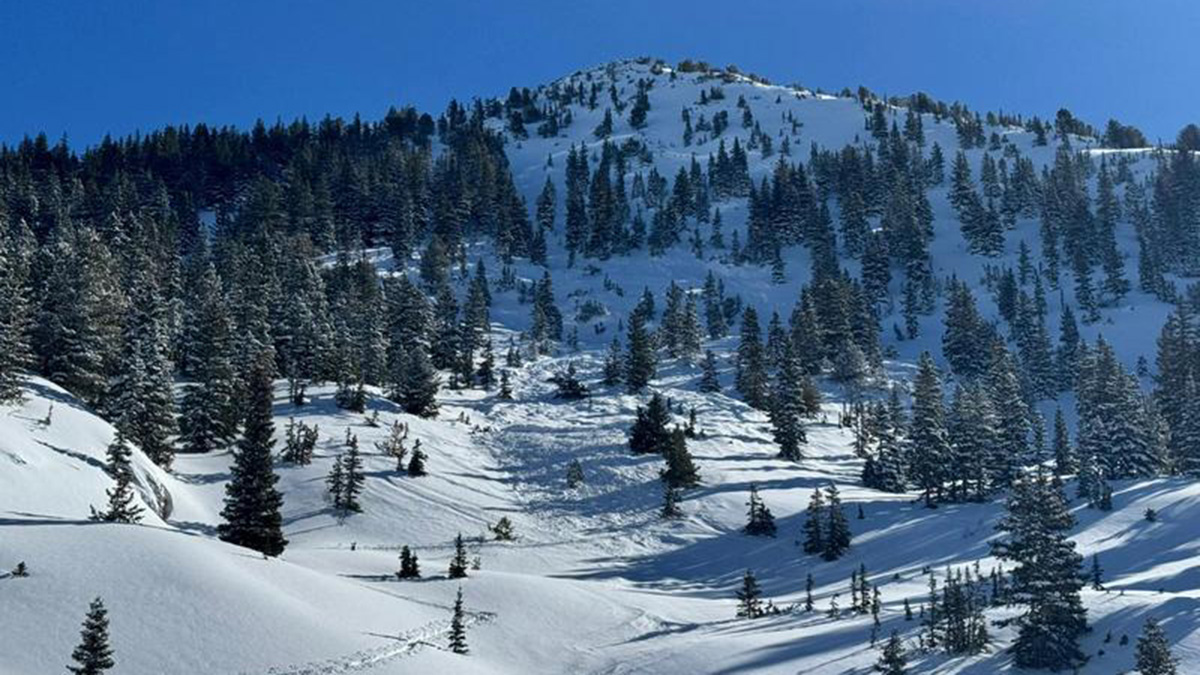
point(596, 581)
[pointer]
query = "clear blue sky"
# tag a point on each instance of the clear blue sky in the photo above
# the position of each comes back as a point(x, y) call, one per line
point(86, 67)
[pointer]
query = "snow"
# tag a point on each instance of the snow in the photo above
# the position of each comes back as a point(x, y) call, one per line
point(596, 582)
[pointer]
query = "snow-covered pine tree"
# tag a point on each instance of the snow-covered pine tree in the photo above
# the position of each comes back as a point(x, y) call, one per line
point(94, 654)
point(1065, 461)
point(928, 442)
point(251, 513)
point(16, 354)
point(892, 659)
point(352, 483)
point(1046, 578)
point(752, 378)
point(787, 403)
point(141, 396)
point(420, 384)
point(612, 364)
point(207, 417)
point(1153, 651)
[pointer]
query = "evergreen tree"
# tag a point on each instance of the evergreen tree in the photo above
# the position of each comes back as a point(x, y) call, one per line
point(649, 433)
point(749, 598)
point(15, 312)
point(458, 625)
point(121, 500)
point(760, 522)
point(1046, 579)
point(752, 378)
point(458, 564)
point(410, 567)
point(640, 361)
point(1153, 651)
point(613, 364)
point(815, 527)
point(709, 380)
point(1065, 462)
point(352, 484)
point(420, 384)
point(680, 471)
point(787, 405)
point(892, 660)
point(837, 530)
point(671, 498)
point(94, 655)
point(416, 465)
point(251, 513)
point(928, 442)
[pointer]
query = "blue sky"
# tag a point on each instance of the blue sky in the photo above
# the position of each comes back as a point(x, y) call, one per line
point(85, 68)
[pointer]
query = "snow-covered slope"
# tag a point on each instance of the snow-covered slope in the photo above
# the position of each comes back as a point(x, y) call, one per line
point(595, 582)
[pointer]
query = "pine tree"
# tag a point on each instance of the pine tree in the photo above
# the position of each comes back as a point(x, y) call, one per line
point(787, 406)
point(94, 655)
point(1046, 579)
point(121, 500)
point(760, 521)
point(15, 312)
point(458, 564)
point(206, 410)
point(335, 484)
point(837, 530)
point(892, 660)
point(613, 364)
point(649, 433)
point(710, 382)
point(680, 471)
point(749, 598)
point(420, 384)
point(575, 476)
point(458, 625)
point(410, 567)
point(640, 361)
point(416, 465)
point(670, 507)
point(1153, 651)
point(506, 392)
point(815, 527)
point(928, 442)
point(352, 484)
point(752, 379)
point(1065, 462)
point(251, 513)
point(1096, 576)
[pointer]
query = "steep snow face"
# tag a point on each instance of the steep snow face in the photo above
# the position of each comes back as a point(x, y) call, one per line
point(822, 121)
point(596, 581)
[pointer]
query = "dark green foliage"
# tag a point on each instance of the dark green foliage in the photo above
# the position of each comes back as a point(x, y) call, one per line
point(410, 567)
point(458, 563)
point(252, 504)
point(680, 471)
point(1153, 651)
point(458, 625)
point(749, 598)
point(94, 655)
point(649, 433)
point(760, 522)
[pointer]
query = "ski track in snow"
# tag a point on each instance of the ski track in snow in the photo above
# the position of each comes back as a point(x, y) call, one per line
point(406, 644)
